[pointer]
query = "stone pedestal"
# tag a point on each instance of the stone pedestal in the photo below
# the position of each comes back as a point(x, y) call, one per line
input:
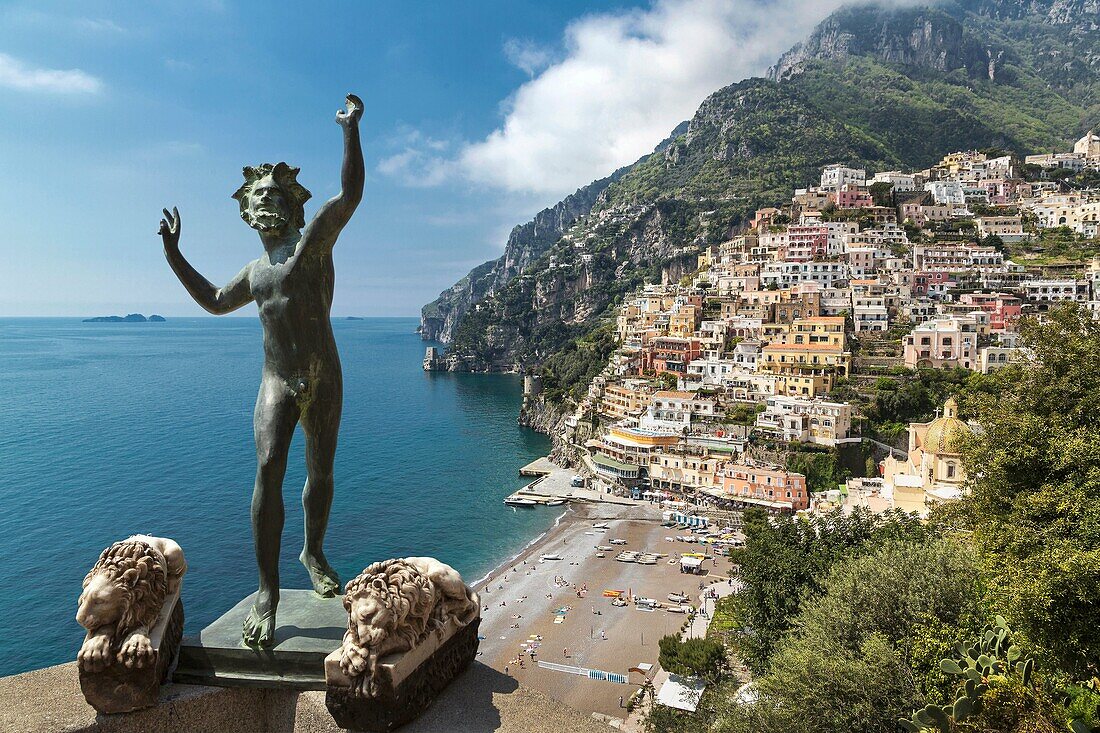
point(408, 683)
point(309, 628)
point(120, 689)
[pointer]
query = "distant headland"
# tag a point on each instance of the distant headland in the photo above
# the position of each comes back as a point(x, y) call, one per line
point(131, 318)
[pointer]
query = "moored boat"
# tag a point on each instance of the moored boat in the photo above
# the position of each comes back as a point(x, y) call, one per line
point(520, 502)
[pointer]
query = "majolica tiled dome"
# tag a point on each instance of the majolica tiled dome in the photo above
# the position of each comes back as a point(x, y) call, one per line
point(945, 434)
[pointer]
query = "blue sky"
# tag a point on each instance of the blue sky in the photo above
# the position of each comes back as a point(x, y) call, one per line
point(477, 116)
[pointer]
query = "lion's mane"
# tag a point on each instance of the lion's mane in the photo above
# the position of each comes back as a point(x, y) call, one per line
point(140, 572)
point(407, 595)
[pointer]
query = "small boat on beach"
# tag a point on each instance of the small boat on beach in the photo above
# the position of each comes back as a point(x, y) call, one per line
point(520, 502)
point(544, 558)
point(555, 502)
point(600, 525)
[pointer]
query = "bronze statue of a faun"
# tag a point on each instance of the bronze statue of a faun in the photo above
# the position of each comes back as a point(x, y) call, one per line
point(292, 285)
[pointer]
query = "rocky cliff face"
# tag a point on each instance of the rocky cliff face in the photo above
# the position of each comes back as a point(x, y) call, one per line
point(870, 87)
point(926, 38)
point(526, 243)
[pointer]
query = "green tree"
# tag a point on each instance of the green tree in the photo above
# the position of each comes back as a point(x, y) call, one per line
point(857, 655)
point(1034, 474)
point(692, 658)
point(787, 559)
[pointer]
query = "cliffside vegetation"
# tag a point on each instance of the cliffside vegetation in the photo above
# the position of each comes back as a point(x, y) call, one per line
point(896, 89)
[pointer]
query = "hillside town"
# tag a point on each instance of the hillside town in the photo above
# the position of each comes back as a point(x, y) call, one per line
point(720, 376)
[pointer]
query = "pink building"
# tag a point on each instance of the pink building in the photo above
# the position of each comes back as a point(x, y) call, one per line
point(1000, 191)
point(764, 485)
point(671, 354)
point(805, 243)
point(763, 217)
point(925, 283)
point(943, 343)
point(853, 197)
point(1004, 310)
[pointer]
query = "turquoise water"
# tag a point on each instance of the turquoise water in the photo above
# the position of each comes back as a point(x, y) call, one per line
point(107, 430)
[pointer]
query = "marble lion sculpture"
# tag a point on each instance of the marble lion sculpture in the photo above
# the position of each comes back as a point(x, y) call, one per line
point(392, 606)
point(123, 595)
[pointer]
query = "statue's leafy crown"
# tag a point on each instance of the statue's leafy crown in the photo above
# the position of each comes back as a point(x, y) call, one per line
point(287, 178)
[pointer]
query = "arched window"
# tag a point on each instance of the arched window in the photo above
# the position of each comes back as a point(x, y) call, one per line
point(950, 470)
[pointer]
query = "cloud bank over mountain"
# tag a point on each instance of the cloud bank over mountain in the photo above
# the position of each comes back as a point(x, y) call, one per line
point(618, 83)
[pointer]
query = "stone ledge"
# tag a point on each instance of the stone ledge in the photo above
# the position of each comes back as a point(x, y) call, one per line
point(479, 700)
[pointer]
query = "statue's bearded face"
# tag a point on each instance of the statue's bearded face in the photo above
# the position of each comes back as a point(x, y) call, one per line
point(267, 206)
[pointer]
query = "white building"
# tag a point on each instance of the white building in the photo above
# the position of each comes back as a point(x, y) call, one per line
point(1056, 291)
point(787, 274)
point(798, 419)
point(869, 313)
point(947, 193)
point(898, 181)
point(836, 175)
point(992, 358)
point(674, 410)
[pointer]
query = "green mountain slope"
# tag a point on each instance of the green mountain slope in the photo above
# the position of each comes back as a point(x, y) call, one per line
point(877, 88)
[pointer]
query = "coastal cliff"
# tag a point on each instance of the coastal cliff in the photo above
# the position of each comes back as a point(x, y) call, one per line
point(871, 87)
point(525, 245)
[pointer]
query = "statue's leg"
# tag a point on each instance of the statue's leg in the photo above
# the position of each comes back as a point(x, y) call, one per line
point(321, 424)
point(276, 415)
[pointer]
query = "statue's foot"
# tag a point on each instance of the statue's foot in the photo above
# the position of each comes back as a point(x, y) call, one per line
point(326, 583)
point(259, 627)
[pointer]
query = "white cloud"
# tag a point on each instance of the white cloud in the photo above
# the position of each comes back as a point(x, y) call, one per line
point(620, 83)
point(421, 161)
point(16, 74)
point(98, 25)
point(527, 56)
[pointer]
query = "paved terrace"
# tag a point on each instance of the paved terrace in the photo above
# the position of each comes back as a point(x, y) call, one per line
point(555, 482)
point(481, 699)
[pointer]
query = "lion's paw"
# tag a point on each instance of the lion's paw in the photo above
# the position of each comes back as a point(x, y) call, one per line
point(353, 662)
point(95, 654)
point(137, 651)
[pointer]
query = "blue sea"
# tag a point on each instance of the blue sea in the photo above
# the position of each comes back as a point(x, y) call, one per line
point(107, 430)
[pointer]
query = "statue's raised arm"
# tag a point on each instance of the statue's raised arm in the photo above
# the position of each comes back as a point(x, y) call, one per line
point(212, 298)
point(336, 212)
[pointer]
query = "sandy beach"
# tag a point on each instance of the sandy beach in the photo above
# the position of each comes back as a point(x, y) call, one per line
point(520, 600)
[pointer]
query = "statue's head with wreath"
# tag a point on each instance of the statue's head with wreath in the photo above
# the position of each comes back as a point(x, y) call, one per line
point(271, 197)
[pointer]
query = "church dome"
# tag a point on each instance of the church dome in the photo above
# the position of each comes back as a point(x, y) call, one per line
point(945, 434)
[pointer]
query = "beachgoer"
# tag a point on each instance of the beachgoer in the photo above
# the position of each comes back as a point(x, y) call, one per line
point(565, 652)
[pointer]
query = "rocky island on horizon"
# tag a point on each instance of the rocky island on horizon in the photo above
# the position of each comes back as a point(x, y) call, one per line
point(129, 318)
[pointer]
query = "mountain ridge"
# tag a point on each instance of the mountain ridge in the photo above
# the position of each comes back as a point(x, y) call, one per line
point(882, 88)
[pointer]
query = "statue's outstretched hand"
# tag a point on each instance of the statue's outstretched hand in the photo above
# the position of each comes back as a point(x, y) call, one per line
point(354, 111)
point(170, 229)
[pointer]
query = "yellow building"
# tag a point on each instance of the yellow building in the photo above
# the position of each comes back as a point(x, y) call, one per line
point(627, 399)
point(684, 473)
point(932, 472)
point(624, 453)
point(684, 321)
point(807, 370)
point(818, 330)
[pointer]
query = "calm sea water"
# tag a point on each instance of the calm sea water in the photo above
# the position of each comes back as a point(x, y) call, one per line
point(112, 429)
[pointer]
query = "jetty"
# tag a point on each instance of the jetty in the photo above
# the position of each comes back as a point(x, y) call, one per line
point(554, 484)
